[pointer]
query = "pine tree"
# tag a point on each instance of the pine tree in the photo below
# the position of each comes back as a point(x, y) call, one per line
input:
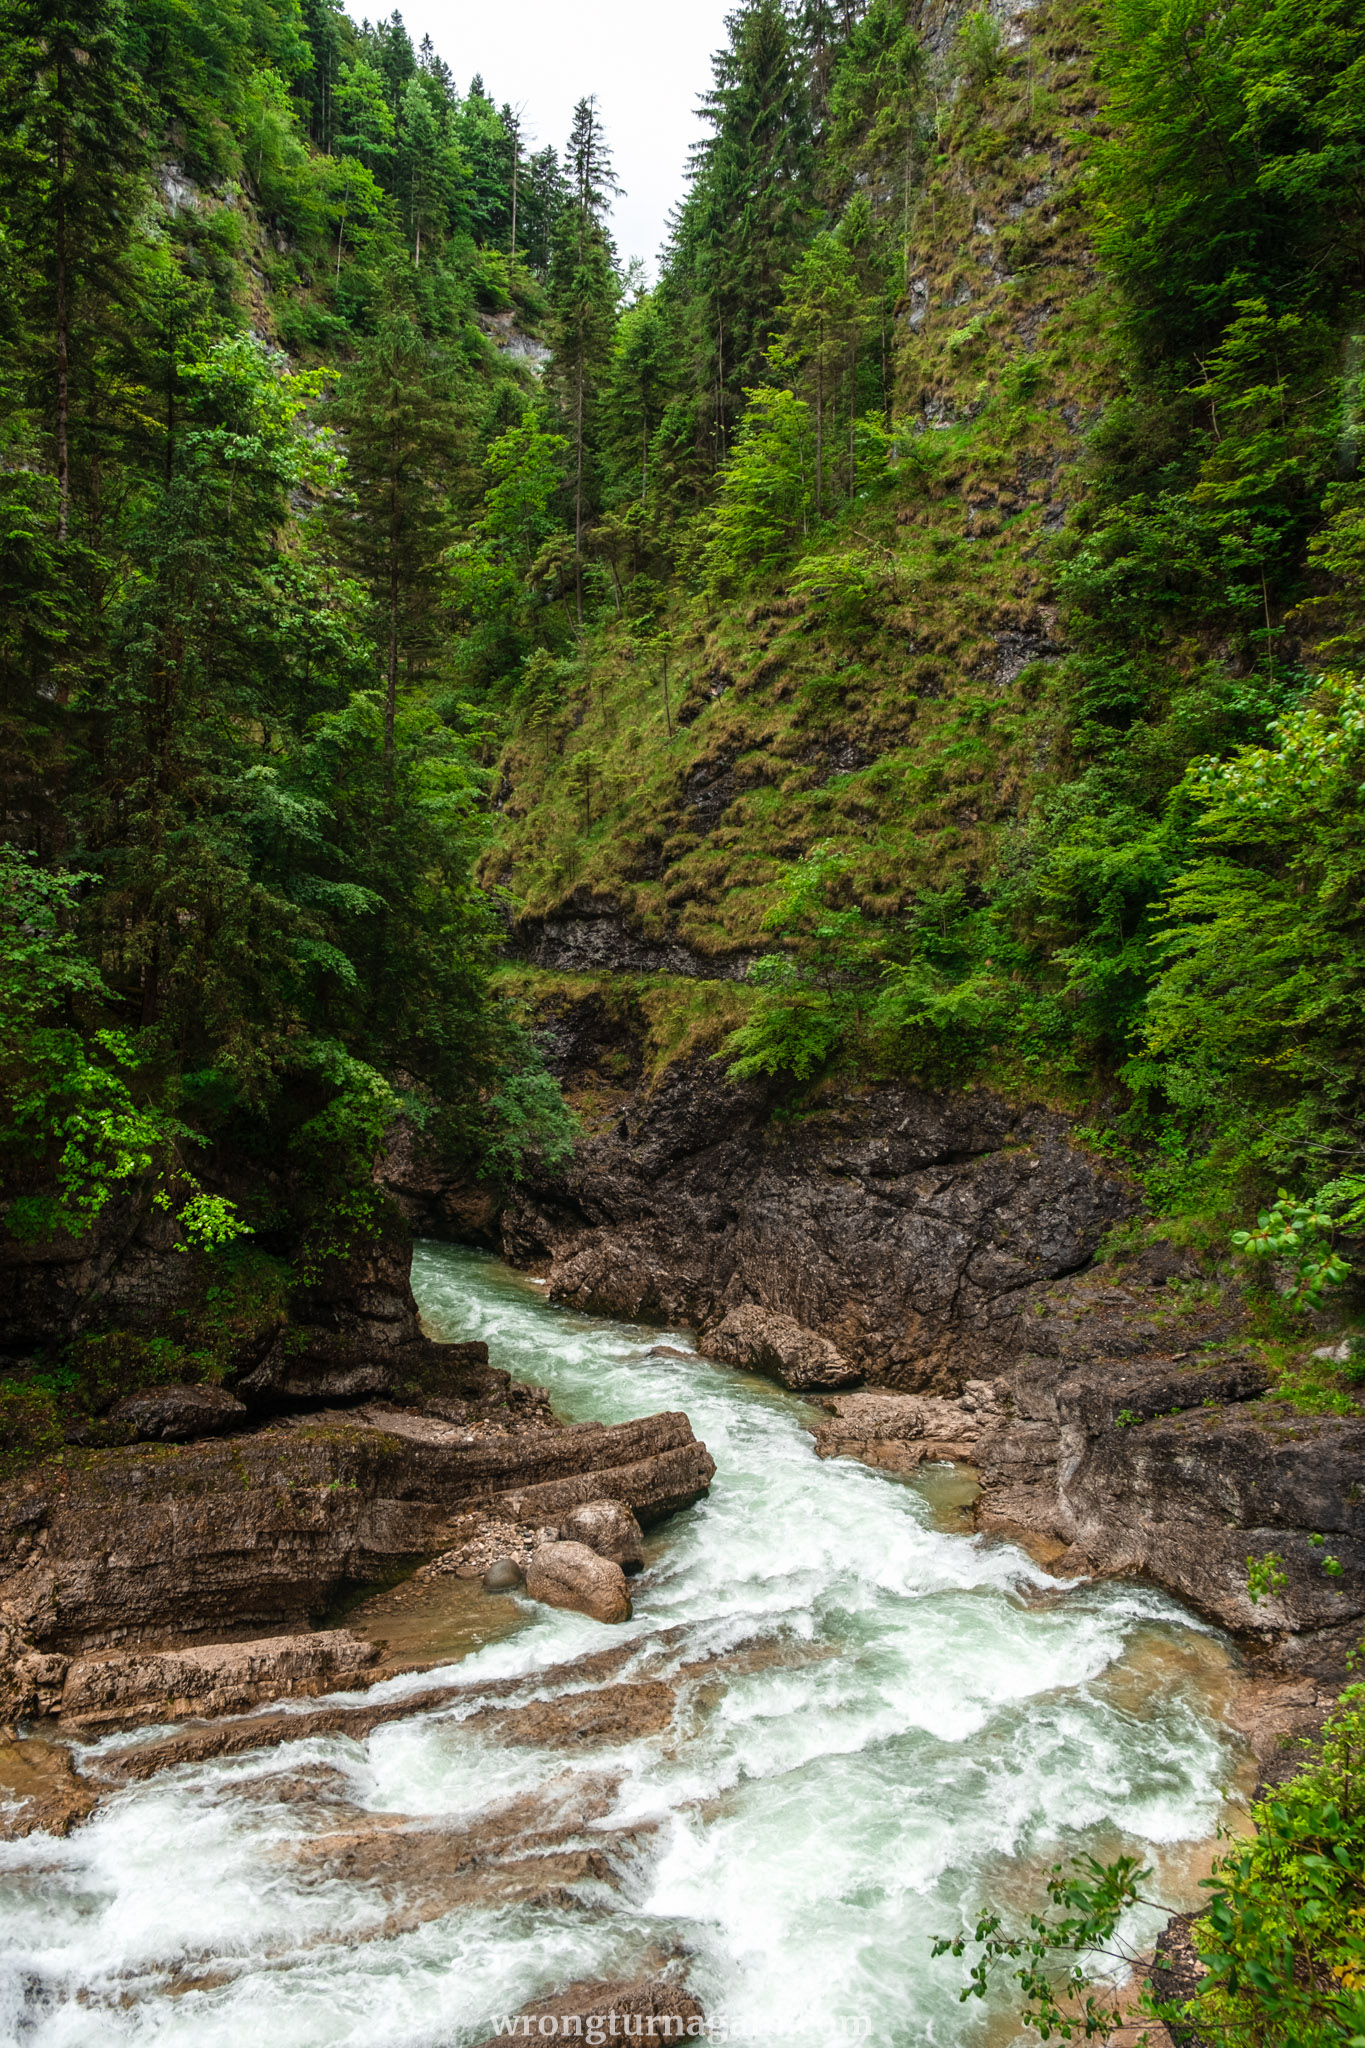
point(403, 427)
point(750, 207)
point(584, 293)
point(423, 182)
point(73, 148)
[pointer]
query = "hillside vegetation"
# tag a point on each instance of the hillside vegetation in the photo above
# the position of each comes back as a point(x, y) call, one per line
point(927, 623)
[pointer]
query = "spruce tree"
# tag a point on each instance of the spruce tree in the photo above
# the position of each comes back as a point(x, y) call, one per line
point(584, 293)
point(72, 150)
point(403, 426)
point(750, 207)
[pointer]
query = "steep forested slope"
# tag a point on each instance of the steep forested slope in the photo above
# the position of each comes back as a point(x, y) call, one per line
point(258, 268)
point(929, 609)
point(999, 691)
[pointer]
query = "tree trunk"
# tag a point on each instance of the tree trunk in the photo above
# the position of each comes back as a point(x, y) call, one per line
point(391, 679)
point(578, 494)
point(63, 339)
point(820, 429)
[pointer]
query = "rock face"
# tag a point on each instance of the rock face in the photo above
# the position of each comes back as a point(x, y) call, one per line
point(120, 1691)
point(571, 1575)
point(1137, 1433)
point(594, 934)
point(899, 1225)
point(176, 1415)
point(609, 1528)
point(257, 1531)
point(939, 1244)
point(776, 1344)
point(897, 1432)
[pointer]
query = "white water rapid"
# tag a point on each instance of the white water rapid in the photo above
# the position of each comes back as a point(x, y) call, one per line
point(934, 1723)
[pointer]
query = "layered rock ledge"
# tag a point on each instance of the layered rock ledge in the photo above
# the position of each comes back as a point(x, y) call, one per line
point(252, 1534)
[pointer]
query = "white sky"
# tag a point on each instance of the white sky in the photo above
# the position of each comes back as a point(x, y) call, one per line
point(646, 60)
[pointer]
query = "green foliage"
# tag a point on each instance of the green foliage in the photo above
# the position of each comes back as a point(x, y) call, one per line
point(1266, 1577)
point(70, 1113)
point(1262, 972)
point(979, 46)
point(765, 498)
point(811, 992)
point(1298, 1234)
point(241, 806)
point(1283, 1936)
point(1089, 1902)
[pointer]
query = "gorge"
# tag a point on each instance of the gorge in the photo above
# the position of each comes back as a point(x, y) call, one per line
point(682, 1121)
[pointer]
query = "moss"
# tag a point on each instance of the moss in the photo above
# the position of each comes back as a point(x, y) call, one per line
point(30, 1427)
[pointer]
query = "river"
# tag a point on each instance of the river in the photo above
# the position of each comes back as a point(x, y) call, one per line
point(906, 1721)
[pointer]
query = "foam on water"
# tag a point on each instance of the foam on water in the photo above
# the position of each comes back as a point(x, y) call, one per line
point(929, 1720)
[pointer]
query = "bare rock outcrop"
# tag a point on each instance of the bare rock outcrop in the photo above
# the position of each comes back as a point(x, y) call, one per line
point(176, 1415)
point(767, 1342)
point(647, 2009)
point(124, 1689)
point(231, 1534)
point(570, 1575)
point(1140, 1433)
point(897, 1432)
point(899, 1224)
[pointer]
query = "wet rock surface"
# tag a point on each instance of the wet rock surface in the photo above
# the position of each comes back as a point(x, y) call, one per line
point(176, 1415)
point(570, 1575)
point(897, 1432)
point(259, 1530)
point(609, 1528)
point(40, 1791)
point(776, 1344)
point(648, 2009)
point(899, 1226)
point(123, 1690)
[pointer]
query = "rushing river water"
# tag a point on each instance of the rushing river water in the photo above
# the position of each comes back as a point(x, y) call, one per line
point(918, 1721)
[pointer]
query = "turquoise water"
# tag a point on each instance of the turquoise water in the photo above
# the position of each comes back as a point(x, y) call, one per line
point(906, 1723)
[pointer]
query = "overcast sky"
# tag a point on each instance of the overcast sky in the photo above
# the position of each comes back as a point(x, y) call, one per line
point(647, 60)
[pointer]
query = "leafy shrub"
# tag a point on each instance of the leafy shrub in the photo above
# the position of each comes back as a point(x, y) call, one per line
point(1282, 1938)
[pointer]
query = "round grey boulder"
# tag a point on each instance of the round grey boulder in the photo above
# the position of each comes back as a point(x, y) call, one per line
point(571, 1575)
point(609, 1528)
point(503, 1576)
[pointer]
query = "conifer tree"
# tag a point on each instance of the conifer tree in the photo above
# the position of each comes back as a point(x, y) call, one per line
point(584, 292)
point(73, 147)
point(750, 207)
point(403, 427)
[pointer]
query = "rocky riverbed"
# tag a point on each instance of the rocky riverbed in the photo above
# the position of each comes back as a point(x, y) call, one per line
point(835, 1724)
point(903, 1241)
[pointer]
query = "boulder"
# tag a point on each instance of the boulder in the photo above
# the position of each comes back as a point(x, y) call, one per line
point(506, 1576)
point(609, 1528)
point(177, 1415)
point(897, 1432)
point(571, 1575)
point(648, 2009)
point(778, 1345)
